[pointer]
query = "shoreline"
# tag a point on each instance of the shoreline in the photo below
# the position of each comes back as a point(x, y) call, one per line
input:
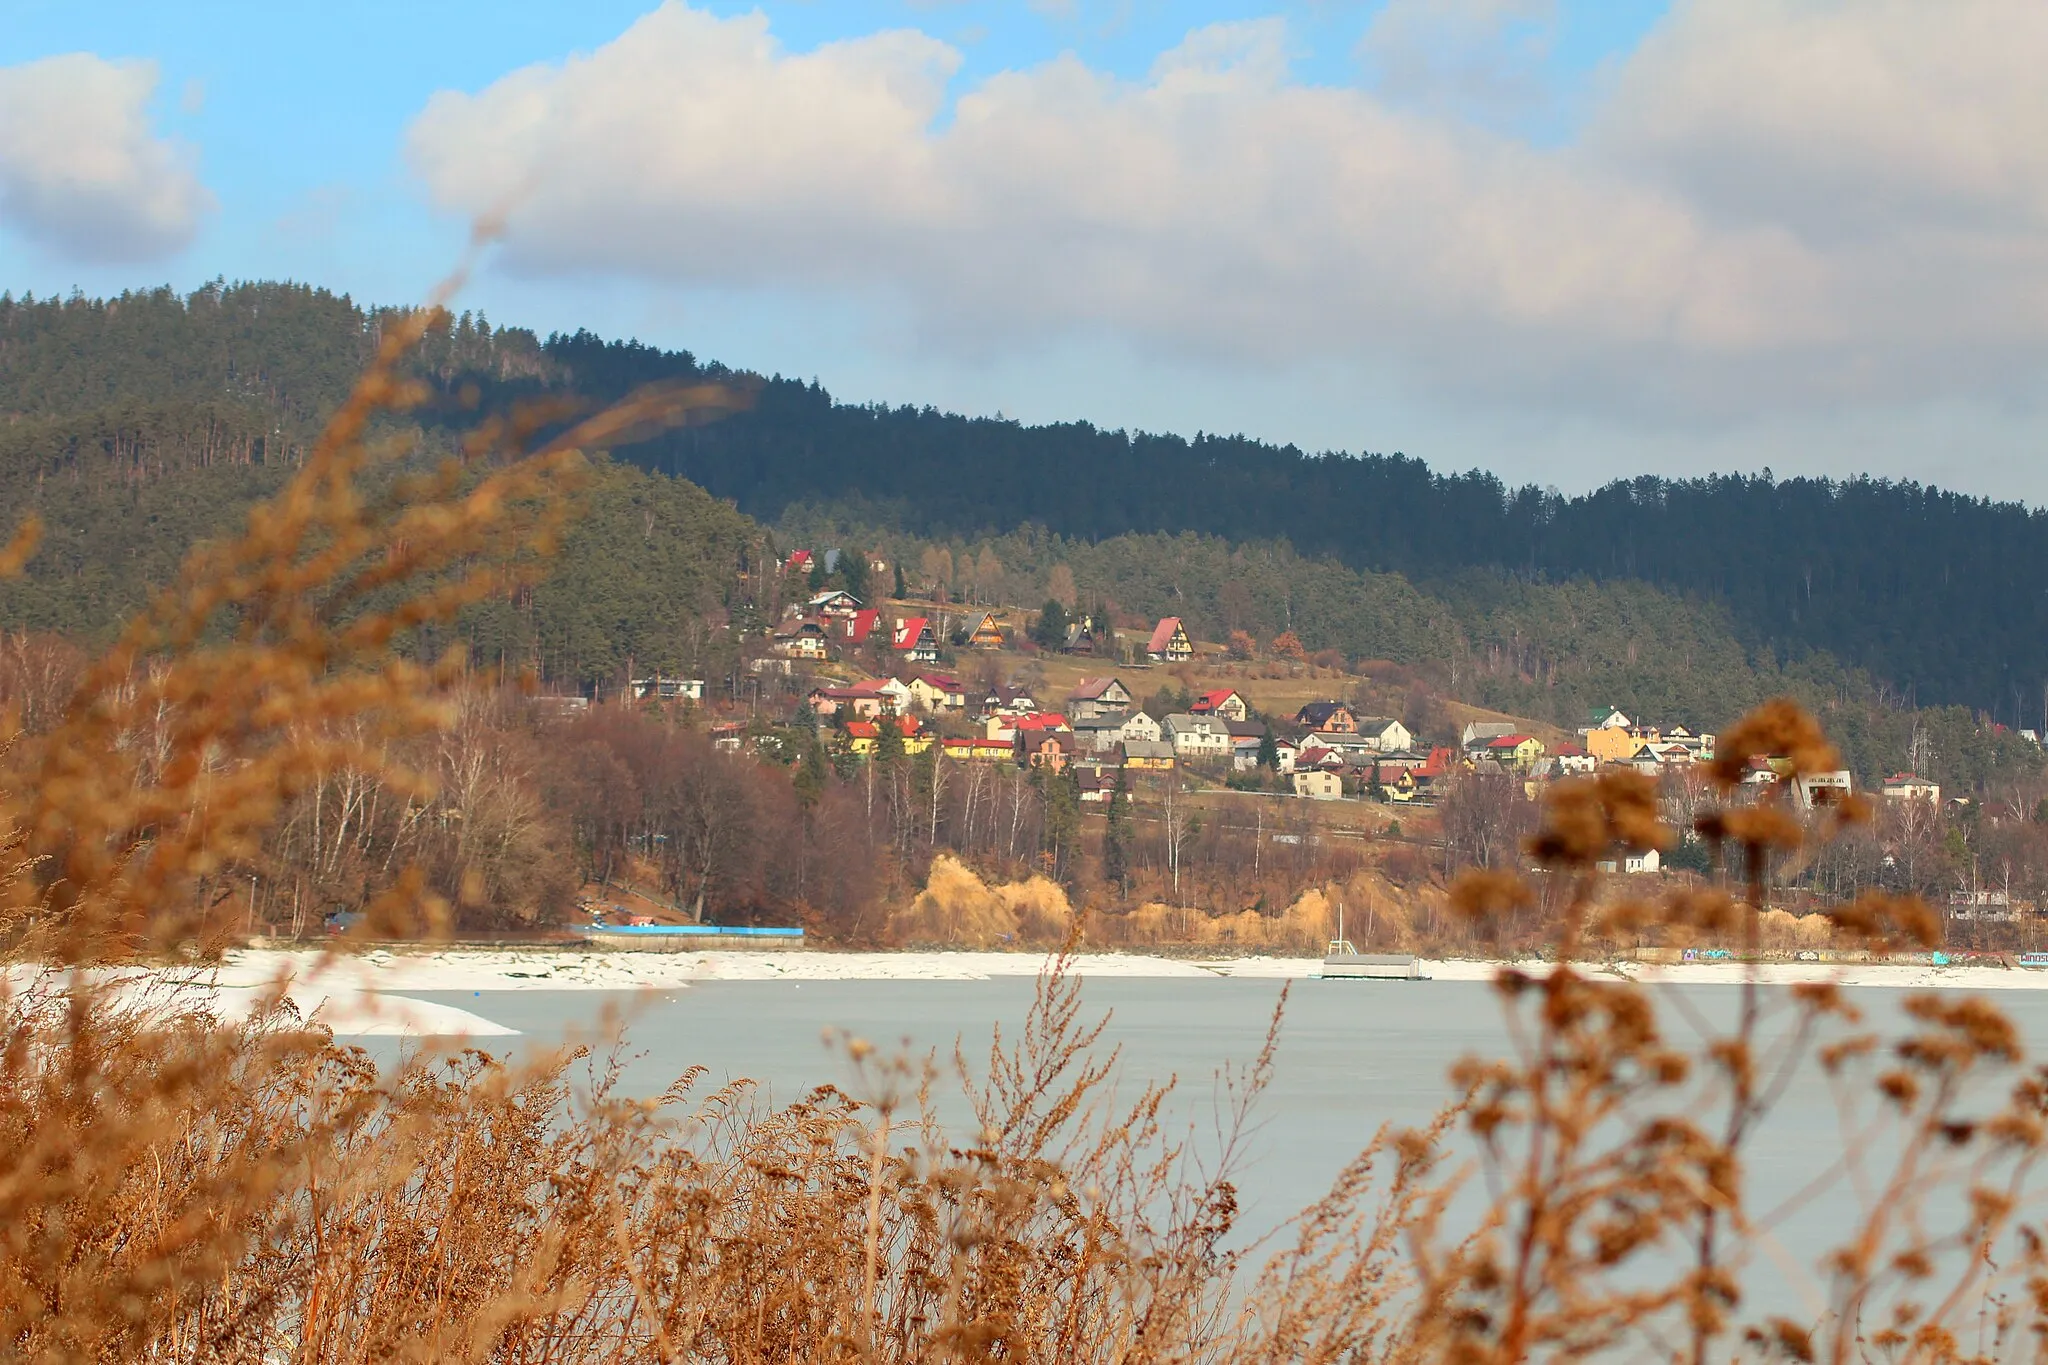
point(368, 993)
point(485, 970)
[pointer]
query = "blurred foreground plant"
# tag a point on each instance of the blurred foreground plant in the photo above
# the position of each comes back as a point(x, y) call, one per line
point(272, 663)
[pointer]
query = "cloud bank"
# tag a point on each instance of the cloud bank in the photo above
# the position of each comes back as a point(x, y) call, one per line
point(82, 172)
point(1777, 205)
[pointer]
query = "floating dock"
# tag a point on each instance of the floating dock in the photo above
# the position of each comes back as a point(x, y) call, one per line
point(1372, 967)
point(684, 937)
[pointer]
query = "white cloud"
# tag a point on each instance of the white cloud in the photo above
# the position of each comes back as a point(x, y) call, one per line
point(1782, 203)
point(82, 173)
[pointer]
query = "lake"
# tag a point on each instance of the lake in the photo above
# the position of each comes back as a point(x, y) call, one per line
point(1352, 1056)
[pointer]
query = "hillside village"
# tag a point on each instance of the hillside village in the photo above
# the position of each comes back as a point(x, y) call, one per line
point(937, 681)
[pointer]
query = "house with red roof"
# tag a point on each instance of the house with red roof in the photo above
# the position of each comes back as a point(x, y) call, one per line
point(855, 629)
point(1223, 701)
point(938, 692)
point(916, 641)
point(1169, 643)
point(1518, 751)
point(865, 736)
point(1573, 758)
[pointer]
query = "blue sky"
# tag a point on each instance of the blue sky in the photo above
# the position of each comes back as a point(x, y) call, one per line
point(1567, 241)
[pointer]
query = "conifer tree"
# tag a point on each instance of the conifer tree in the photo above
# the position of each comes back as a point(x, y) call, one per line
point(1116, 852)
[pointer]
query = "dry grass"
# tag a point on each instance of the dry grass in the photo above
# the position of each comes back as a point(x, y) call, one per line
point(957, 909)
point(171, 1189)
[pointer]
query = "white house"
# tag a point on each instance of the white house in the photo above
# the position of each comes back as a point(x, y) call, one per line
point(1820, 789)
point(1384, 733)
point(668, 689)
point(1197, 737)
point(1911, 787)
point(1635, 864)
point(937, 692)
point(1098, 735)
point(1093, 697)
point(834, 603)
point(1485, 730)
point(1142, 728)
point(1318, 785)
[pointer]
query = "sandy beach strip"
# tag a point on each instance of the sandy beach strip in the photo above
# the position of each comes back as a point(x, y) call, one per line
point(523, 969)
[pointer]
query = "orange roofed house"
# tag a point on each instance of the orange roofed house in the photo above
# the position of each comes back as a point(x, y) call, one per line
point(865, 735)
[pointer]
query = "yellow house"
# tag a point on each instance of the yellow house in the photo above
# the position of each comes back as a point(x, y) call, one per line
point(1141, 755)
point(1610, 745)
point(865, 735)
point(1518, 751)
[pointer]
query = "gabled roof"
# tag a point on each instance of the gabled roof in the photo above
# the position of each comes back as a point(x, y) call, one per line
point(1091, 689)
point(910, 630)
point(804, 625)
point(1043, 720)
point(1210, 700)
point(1162, 634)
point(1002, 697)
point(1509, 741)
point(1376, 722)
point(1316, 712)
point(943, 682)
point(871, 729)
point(798, 559)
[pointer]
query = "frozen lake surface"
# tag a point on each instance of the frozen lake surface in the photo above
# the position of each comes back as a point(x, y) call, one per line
point(1352, 1056)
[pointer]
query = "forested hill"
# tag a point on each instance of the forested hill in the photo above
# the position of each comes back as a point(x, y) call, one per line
point(1943, 597)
